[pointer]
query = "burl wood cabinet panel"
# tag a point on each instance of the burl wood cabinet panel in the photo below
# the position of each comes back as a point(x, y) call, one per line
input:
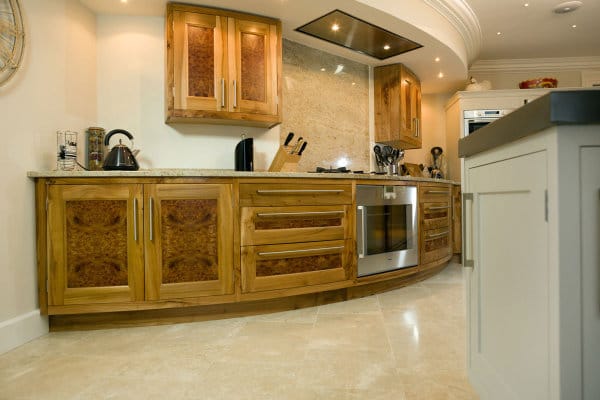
point(95, 244)
point(435, 220)
point(222, 67)
point(397, 107)
point(189, 245)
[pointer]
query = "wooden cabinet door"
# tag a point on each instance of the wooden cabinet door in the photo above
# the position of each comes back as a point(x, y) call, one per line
point(189, 240)
point(397, 107)
point(95, 244)
point(253, 67)
point(200, 63)
point(410, 104)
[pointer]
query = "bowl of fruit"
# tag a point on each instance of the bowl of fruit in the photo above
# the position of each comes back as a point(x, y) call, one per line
point(538, 83)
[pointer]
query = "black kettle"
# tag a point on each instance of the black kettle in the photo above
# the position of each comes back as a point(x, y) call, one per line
point(120, 156)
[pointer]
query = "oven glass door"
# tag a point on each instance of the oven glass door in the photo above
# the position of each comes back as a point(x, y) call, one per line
point(387, 228)
point(471, 125)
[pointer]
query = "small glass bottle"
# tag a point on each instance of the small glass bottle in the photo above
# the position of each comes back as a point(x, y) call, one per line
point(95, 148)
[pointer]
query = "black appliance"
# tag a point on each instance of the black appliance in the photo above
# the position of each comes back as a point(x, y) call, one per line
point(244, 155)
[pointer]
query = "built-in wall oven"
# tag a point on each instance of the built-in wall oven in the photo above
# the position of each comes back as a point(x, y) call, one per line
point(475, 119)
point(386, 228)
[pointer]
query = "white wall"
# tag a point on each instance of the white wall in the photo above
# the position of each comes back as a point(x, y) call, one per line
point(54, 89)
point(131, 58)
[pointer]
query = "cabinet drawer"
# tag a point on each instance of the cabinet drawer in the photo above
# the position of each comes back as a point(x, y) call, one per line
point(286, 266)
point(272, 225)
point(435, 244)
point(436, 215)
point(291, 194)
point(435, 193)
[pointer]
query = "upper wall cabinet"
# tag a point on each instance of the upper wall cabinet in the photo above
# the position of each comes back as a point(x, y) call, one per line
point(223, 67)
point(397, 107)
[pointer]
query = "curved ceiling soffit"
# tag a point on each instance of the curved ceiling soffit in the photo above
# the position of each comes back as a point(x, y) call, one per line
point(462, 17)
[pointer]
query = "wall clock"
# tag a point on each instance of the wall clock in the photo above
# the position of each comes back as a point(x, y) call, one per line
point(12, 39)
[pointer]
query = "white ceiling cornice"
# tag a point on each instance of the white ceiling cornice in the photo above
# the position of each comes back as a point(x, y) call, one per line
point(462, 17)
point(529, 64)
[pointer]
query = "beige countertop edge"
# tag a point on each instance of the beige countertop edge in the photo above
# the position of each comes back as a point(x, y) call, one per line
point(222, 173)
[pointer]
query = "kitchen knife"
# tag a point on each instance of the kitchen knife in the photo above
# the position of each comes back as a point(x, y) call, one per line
point(288, 139)
point(297, 146)
point(302, 148)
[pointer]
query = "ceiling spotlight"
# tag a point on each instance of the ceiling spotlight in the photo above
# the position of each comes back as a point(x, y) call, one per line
point(498, 33)
point(386, 47)
point(123, 1)
point(526, 5)
point(335, 27)
point(323, 69)
point(437, 59)
point(440, 75)
point(567, 7)
point(573, 26)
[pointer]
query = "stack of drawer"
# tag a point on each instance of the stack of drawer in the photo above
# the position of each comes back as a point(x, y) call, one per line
point(294, 234)
point(435, 216)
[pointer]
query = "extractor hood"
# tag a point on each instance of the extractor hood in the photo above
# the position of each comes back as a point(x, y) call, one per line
point(355, 34)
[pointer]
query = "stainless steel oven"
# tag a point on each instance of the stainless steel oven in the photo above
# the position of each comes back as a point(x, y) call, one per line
point(475, 119)
point(386, 228)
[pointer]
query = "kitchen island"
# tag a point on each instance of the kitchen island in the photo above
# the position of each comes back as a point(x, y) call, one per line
point(144, 247)
point(531, 209)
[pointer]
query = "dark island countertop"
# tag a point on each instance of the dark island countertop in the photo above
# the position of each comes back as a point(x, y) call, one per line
point(568, 107)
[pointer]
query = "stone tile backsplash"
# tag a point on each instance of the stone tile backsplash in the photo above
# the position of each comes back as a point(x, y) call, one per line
point(326, 101)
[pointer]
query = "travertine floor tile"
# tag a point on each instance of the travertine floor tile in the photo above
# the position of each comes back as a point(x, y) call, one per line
point(406, 344)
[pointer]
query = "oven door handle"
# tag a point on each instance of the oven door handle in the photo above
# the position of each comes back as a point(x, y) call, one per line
point(360, 232)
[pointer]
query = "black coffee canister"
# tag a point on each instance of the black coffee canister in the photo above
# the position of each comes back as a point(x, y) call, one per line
point(244, 155)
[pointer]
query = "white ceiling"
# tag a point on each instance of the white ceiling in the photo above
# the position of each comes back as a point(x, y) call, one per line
point(536, 31)
point(527, 32)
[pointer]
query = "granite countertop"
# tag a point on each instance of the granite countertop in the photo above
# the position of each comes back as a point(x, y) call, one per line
point(568, 107)
point(221, 173)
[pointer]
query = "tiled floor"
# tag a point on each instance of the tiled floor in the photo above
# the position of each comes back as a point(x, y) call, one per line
point(405, 344)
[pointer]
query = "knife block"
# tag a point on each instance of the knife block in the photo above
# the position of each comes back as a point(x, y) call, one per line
point(284, 161)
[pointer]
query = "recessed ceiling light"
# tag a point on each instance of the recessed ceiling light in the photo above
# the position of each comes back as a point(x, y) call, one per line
point(567, 7)
point(323, 69)
point(526, 5)
point(437, 59)
point(386, 47)
point(335, 27)
point(573, 26)
point(123, 1)
point(441, 75)
point(498, 33)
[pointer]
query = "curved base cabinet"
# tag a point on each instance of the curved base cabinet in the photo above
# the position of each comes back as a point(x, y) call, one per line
point(115, 251)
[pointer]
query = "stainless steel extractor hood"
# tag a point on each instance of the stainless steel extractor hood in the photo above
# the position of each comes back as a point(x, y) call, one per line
point(355, 34)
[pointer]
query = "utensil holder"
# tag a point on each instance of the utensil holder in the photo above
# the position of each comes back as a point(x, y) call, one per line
point(284, 161)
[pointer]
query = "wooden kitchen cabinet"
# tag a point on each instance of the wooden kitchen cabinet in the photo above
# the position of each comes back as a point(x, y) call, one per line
point(222, 67)
point(189, 244)
point(397, 107)
point(295, 235)
point(124, 243)
point(435, 221)
point(456, 220)
point(95, 244)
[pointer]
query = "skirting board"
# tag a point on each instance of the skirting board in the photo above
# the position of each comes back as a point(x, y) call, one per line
point(22, 329)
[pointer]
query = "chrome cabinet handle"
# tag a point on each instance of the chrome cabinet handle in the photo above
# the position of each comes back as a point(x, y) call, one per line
point(360, 236)
point(273, 253)
point(467, 263)
point(222, 92)
point(437, 235)
point(151, 216)
point(299, 214)
point(234, 94)
point(417, 126)
point(135, 223)
point(299, 191)
point(437, 208)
